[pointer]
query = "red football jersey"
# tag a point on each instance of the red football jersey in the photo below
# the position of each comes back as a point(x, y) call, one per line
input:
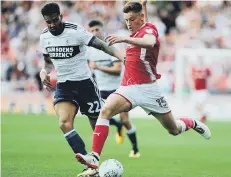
point(200, 76)
point(140, 63)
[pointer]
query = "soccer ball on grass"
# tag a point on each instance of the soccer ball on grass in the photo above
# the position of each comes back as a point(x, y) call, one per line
point(111, 168)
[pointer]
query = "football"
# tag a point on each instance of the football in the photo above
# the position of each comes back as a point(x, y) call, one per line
point(111, 168)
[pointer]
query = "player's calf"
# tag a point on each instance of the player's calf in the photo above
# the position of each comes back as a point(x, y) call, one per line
point(174, 132)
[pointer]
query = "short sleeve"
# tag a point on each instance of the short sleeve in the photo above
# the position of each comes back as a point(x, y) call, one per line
point(42, 46)
point(150, 31)
point(89, 54)
point(84, 37)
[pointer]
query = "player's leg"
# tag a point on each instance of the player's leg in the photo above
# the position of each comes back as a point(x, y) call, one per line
point(154, 103)
point(66, 112)
point(114, 122)
point(178, 126)
point(66, 104)
point(120, 130)
point(114, 104)
point(201, 110)
point(131, 133)
point(199, 100)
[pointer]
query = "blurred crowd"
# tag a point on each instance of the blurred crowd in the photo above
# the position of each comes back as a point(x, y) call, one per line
point(181, 24)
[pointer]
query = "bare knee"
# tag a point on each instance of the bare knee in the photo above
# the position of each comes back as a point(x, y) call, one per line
point(65, 125)
point(66, 112)
point(106, 113)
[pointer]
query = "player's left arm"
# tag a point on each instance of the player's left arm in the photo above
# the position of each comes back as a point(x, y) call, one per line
point(101, 45)
point(147, 41)
point(115, 69)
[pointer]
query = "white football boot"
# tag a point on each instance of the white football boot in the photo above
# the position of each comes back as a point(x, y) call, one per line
point(89, 172)
point(91, 159)
point(202, 129)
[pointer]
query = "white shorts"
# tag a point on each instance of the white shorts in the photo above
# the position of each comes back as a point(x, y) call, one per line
point(147, 96)
point(199, 96)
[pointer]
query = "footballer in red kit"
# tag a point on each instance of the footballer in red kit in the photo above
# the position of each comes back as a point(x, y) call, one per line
point(200, 76)
point(141, 63)
point(199, 86)
point(139, 86)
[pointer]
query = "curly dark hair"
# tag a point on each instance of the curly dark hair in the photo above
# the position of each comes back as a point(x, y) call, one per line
point(50, 9)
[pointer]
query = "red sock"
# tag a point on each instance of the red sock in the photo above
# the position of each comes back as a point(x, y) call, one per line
point(189, 123)
point(99, 137)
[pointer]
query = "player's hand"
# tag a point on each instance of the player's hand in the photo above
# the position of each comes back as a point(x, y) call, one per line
point(113, 39)
point(45, 78)
point(143, 2)
point(93, 65)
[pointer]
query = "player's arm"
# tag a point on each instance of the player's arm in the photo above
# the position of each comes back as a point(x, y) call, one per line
point(144, 5)
point(147, 41)
point(48, 66)
point(114, 69)
point(101, 45)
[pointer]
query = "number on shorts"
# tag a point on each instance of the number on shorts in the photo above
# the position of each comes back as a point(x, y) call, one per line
point(162, 103)
point(92, 105)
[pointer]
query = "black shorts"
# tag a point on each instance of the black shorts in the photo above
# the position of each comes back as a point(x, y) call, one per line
point(83, 94)
point(105, 94)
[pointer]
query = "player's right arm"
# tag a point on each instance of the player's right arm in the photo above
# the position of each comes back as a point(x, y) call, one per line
point(147, 41)
point(144, 3)
point(48, 66)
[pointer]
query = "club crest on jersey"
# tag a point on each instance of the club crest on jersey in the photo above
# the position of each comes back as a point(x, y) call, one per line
point(62, 52)
point(149, 31)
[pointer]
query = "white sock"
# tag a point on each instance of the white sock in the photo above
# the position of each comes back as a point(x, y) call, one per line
point(68, 133)
point(181, 124)
point(102, 122)
point(132, 130)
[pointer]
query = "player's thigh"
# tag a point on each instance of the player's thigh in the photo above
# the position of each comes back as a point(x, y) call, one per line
point(89, 99)
point(65, 104)
point(105, 93)
point(167, 120)
point(152, 100)
point(115, 104)
point(65, 111)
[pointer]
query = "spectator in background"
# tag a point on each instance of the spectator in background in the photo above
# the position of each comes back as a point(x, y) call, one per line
point(192, 24)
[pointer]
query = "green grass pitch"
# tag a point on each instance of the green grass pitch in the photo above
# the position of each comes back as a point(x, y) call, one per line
point(34, 146)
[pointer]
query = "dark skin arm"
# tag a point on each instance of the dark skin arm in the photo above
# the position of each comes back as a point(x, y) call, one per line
point(48, 66)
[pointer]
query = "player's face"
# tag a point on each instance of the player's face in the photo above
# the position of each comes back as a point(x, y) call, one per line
point(54, 22)
point(97, 31)
point(134, 21)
